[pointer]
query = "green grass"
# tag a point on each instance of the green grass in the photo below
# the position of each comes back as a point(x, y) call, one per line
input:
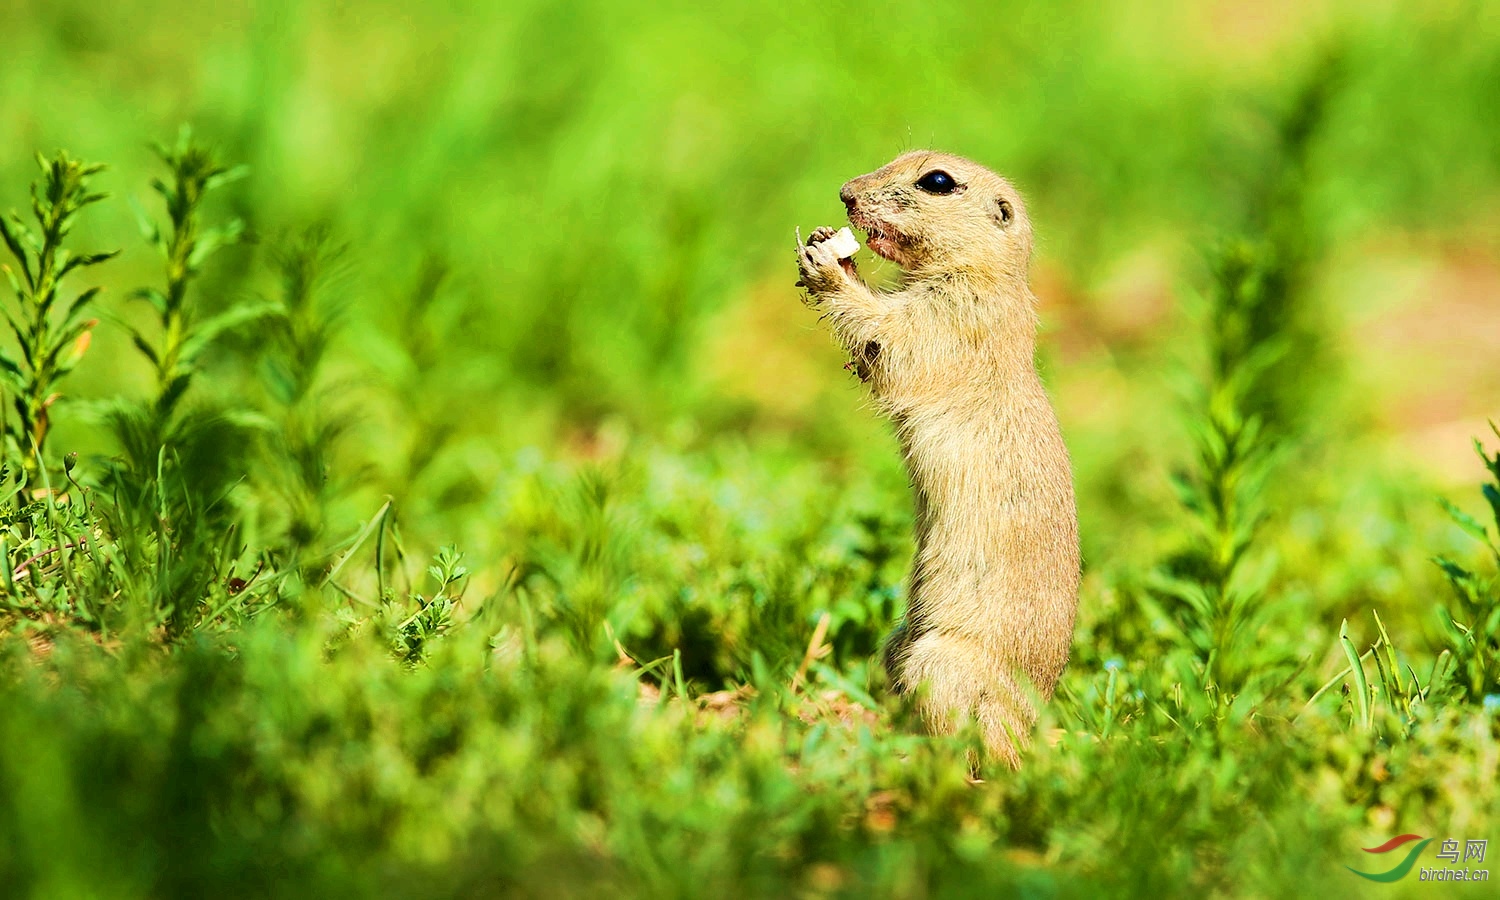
point(446, 494)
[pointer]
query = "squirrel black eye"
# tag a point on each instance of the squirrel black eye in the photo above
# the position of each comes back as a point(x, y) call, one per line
point(937, 182)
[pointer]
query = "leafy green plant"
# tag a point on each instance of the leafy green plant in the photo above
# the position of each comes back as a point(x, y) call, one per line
point(48, 552)
point(47, 529)
point(427, 617)
point(167, 495)
point(1271, 318)
point(1248, 405)
point(303, 430)
point(574, 567)
point(184, 334)
point(1471, 628)
point(52, 335)
point(1214, 591)
point(1399, 686)
point(426, 379)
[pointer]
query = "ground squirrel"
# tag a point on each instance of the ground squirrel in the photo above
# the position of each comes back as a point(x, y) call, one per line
point(949, 358)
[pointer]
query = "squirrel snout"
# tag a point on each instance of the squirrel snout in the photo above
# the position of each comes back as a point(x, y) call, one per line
point(846, 194)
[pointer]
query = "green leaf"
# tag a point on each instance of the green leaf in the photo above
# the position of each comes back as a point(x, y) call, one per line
point(156, 298)
point(1381, 672)
point(10, 366)
point(149, 229)
point(145, 347)
point(174, 391)
point(11, 231)
point(1357, 668)
point(225, 176)
point(252, 421)
point(24, 345)
point(80, 303)
point(64, 343)
point(1390, 650)
point(1490, 462)
point(15, 283)
point(1455, 572)
point(209, 330)
point(1492, 494)
point(1459, 635)
point(1441, 668)
point(214, 238)
point(18, 329)
point(85, 259)
point(1465, 521)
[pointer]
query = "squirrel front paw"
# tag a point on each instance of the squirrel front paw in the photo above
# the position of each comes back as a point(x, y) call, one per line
point(818, 264)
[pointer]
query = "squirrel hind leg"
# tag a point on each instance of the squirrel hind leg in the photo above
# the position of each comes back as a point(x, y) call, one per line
point(963, 679)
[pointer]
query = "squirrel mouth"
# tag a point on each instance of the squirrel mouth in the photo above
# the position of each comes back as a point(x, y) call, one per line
point(878, 236)
point(881, 240)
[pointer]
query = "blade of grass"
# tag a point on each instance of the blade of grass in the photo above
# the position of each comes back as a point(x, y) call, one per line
point(359, 540)
point(1358, 669)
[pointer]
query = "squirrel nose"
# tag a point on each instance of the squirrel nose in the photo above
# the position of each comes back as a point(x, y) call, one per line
point(846, 194)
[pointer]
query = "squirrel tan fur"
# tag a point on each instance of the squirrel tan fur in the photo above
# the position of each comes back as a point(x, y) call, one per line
point(949, 357)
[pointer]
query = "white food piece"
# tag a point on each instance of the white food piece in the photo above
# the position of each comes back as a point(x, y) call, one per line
point(843, 243)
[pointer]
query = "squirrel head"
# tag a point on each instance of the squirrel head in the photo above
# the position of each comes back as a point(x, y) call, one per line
point(935, 214)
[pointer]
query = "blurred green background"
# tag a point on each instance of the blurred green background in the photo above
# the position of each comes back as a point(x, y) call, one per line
point(566, 340)
point(612, 192)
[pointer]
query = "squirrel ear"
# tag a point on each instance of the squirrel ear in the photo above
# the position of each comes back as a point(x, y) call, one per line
point(1005, 214)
